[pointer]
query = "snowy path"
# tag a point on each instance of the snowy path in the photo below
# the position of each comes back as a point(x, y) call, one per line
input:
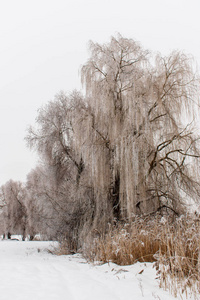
point(28, 271)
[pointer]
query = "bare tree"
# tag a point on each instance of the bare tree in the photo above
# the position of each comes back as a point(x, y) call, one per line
point(138, 149)
point(50, 206)
point(54, 135)
point(58, 186)
point(14, 212)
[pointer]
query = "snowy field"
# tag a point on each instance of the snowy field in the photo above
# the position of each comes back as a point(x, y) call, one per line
point(29, 272)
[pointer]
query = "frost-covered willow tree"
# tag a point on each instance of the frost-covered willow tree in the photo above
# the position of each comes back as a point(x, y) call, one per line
point(133, 138)
point(123, 149)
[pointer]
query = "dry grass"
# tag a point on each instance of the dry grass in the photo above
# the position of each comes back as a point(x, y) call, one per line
point(174, 246)
point(124, 245)
point(64, 248)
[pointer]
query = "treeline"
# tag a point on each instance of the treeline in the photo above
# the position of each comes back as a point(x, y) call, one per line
point(123, 149)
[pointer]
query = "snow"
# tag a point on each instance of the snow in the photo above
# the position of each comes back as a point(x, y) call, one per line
point(29, 271)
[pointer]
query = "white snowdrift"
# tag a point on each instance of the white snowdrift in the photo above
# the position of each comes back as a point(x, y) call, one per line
point(29, 272)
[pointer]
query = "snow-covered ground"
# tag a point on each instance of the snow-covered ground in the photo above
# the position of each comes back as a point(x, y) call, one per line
point(28, 271)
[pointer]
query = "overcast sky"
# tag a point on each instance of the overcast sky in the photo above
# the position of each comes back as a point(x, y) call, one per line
point(43, 43)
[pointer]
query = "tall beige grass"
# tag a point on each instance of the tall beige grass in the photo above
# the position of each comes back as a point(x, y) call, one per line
point(174, 246)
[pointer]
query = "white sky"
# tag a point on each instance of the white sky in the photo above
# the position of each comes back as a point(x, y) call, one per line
point(43, 43)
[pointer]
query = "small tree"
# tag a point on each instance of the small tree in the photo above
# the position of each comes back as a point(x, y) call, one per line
point(14, 212)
